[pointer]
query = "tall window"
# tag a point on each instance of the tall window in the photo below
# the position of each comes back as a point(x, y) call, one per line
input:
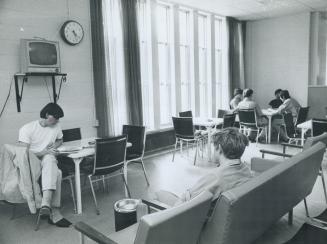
point(218, 62)
point(145, 56)
point(203, 39)
point(164, 32)
point(185, 69)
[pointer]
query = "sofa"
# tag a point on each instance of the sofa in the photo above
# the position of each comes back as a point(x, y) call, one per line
point(244, 213)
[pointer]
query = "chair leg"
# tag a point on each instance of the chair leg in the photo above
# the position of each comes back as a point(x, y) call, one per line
point(323, 183)
point(196, 151)
point(103, 183)
point(73, 193)
point(144, 171)
point(94, 197)
point(127, 188)
point(306, 208)
point(175, 150)
point(37, 226)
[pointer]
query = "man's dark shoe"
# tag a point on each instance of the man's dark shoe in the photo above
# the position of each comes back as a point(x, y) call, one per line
point(45, 212)
point(63, 223)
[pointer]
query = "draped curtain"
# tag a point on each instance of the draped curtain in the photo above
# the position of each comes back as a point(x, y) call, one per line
point(132, 62)
point(236, 30)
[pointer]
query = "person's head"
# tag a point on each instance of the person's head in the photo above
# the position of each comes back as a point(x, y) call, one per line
point(51, 114)
point(238, 91)
point(248, 93)
point(277, 93)
point(230, 144)
point(284, 95)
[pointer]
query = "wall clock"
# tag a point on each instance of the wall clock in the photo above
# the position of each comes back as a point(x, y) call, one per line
point(72, 32)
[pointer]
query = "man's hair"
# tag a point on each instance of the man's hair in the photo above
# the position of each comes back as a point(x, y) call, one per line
point(278, 91)
point(248, 93)
point(52, 109)
point(284, 94)
point(232, 142)
point(238, 91)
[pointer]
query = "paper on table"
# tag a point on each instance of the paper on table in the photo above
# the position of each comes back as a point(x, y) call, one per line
point(69, 148)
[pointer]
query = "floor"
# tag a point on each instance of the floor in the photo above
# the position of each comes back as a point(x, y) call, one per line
point(163, 174)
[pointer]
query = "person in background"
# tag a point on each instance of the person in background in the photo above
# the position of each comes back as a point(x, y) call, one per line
point(275, 103)
point(230, 172)
point(237, 98)
point(43, 137)
point(249, 103)
point(289, 105)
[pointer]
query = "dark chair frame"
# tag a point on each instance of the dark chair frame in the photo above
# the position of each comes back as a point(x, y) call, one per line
point(186, 114)
point(138, 146)
point(319, 126)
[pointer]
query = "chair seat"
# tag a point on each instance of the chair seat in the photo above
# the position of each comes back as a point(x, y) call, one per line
point(126, 236)
point(131, 156)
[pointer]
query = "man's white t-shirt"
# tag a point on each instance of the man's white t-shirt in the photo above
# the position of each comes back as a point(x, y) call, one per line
point(39, 137)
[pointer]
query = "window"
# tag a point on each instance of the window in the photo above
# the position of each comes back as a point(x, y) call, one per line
point(185, 48)
point(204, 63)
point(164, 35)
point(145, 60)
point(218, 62)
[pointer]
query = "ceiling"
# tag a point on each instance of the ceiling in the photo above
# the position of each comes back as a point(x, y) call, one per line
point(256, 9)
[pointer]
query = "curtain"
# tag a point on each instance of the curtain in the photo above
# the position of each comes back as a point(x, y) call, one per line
point(132, 62)
point(99, 68)
point(236, 30)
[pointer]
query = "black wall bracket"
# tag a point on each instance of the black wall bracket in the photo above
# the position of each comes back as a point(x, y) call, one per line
point(19, 94)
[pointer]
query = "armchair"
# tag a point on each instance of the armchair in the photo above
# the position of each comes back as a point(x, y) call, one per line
point(177, 225)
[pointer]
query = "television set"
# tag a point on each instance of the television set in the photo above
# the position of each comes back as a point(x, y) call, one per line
point(39, 56)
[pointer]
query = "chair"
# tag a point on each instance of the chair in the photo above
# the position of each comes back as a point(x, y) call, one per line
point(302, 115)
point(136, 135)
point(319, 126)
point(110, 157)
point(221, 113)
point(186, 114)
point(229, 120)
point(184, 132)
point(248, 121)
point(290, 128)
point(309, 143)
point(177, 225)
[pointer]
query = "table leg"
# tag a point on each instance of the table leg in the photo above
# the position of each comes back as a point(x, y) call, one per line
point(77, 162)
point(269, 129)
point(209, 143)
point(302, 135)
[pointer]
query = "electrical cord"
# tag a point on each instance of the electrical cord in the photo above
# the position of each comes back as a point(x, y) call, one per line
point(46, 83)
point(5, 104)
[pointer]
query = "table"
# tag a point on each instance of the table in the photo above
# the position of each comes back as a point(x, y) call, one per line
point(77, 157)
point(305, 126)
point(269, 113)
point(209, 124)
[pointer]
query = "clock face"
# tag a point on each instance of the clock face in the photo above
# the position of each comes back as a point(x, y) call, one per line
point(72, 32)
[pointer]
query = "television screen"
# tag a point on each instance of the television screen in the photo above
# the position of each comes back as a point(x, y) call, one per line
point(42, 53)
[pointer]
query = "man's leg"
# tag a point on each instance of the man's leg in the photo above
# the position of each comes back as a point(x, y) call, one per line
point(49, 178)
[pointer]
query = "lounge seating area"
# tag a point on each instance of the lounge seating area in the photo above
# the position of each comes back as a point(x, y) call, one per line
point(163, 122)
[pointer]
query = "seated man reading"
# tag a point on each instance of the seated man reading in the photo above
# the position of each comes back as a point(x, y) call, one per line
point(230, 171)
point(42, 137)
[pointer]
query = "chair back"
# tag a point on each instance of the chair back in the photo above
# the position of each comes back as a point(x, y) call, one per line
point(302, 115)
point(319, 126)
point(72, 134)
point(289, 124)
point(186, 114)
point(110, 154)
point(221, 113)
point(245, 212)
point(247, 117)
point(229, 120)
point(183, 127)
point(177, 225)
point(135, 135)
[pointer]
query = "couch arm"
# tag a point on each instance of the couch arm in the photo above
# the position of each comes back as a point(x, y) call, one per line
point(260, 165)
point(274, 153)
point(92, 233)
point(155, 204)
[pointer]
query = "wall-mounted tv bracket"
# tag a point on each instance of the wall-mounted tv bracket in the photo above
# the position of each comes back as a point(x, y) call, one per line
point(19, 95)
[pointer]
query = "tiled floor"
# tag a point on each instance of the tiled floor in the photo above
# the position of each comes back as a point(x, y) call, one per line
point(163, 174)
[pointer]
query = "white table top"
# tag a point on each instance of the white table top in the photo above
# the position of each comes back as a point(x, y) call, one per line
point(269, 111)
point(305, 125)
point(207, 122)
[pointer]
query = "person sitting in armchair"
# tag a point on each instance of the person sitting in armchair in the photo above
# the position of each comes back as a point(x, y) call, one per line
point(43, 137)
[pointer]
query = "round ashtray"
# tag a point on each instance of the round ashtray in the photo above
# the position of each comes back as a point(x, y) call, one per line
point(126, 205)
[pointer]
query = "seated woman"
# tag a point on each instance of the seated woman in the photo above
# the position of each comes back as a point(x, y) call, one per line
point(237, 98)
point(248, 103)
point(230, 172)
point(275, 103)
